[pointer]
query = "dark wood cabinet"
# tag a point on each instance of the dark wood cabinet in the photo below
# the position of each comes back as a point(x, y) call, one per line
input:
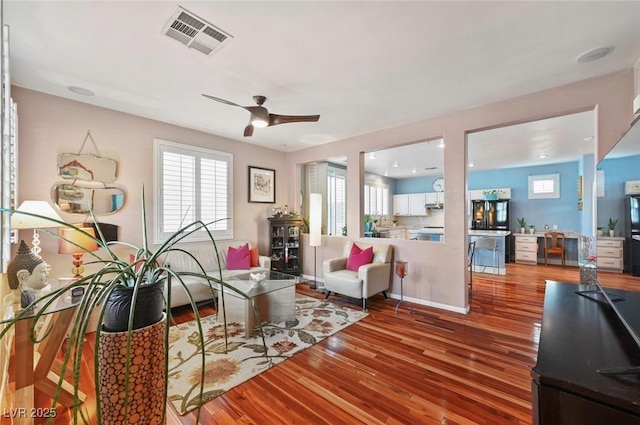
point(285, 249)
point(578, 337)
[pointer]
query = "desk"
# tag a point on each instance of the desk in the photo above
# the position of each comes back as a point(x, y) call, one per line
point(579, 336)
point(530, 248)
point(39, 369)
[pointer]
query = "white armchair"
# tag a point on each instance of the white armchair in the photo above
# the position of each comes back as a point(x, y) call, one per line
point(369, 280)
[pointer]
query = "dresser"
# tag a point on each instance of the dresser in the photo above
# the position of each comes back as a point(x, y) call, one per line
point(610, 253)
point(579, 336)
point(526, 249)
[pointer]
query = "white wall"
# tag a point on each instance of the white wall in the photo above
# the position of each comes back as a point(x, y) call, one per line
point(50, 125)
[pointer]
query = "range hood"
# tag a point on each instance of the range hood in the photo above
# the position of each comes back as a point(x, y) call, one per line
point(435, 206)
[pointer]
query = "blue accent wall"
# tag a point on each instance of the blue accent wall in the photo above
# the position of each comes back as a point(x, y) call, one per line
point(415, 185)
point(563, 211)
point(616, 172)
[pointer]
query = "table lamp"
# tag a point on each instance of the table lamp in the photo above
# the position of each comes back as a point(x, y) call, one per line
point(23, 221)
point(76, 241)
point(402, 269)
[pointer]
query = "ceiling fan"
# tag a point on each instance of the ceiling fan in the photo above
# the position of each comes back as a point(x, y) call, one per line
point(260, 116)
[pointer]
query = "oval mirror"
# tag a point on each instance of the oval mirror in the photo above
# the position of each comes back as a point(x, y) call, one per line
point(84, 197)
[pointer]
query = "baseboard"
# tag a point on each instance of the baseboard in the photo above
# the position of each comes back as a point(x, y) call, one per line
point(463, 310)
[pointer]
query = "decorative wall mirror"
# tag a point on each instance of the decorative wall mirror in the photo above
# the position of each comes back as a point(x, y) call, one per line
point(89, 183)
point(86, 167)
point(84, 197)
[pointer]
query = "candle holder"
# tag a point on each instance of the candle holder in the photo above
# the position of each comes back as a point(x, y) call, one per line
point(402, 269)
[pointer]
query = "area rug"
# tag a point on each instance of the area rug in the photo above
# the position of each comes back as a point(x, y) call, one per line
point(315, 320)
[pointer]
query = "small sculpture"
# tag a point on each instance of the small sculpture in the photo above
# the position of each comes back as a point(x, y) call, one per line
point(28, 273)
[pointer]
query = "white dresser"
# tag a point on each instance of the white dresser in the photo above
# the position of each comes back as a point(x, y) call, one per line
point(610, 253)
point(526, 248)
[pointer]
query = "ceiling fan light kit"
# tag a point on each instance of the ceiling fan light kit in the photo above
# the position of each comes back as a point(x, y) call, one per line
point(260, 116)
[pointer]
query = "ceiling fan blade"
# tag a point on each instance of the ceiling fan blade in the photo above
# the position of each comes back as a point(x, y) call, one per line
point(275, 119)
point(217, 99)
point(248, 131)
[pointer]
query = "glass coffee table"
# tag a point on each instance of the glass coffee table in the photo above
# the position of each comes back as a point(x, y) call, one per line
point(274, 296)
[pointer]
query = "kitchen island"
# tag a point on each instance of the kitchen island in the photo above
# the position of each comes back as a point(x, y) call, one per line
point(483, 259)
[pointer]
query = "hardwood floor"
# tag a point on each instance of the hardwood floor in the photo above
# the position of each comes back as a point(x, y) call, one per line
point(426, 367)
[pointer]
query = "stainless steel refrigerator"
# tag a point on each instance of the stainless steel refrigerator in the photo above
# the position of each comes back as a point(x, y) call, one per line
point(632, 235)
point(490, 215)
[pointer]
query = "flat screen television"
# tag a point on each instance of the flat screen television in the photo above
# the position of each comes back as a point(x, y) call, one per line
point(599, 294)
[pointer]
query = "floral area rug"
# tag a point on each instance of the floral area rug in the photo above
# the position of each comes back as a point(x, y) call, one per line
point(315, 320)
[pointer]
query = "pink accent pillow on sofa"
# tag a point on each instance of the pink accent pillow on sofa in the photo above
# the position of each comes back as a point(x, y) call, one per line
point(238, 258)
point(359, 257)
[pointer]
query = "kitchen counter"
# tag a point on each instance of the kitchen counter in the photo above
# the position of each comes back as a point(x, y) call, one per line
point(483, 260)
point(497, 233)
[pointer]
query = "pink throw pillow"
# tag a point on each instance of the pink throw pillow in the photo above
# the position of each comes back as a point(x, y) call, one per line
point(359, 257)
point(238, 258)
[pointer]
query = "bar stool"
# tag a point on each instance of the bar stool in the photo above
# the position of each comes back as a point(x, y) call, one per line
point(487, 244)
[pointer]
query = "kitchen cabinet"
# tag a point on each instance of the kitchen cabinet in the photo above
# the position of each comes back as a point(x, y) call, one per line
point(392, 233)
point(526, 249)
point(400, 204)
point(416, 204)
point(610, 254)
point(440, 198)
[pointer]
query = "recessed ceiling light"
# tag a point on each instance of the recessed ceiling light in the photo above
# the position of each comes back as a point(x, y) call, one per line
point(471, 164)
point(81, 91)
point(414, 171)
point(396, 165)
point(542, 156)
point(386, 174)
point(372, 155)
point(588, 139)
point(594, 54)
point(441, 144)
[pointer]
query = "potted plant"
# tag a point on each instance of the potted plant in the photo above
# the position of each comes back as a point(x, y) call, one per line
point(523, 224)
point(599, 231)
point(532, 229)
point(395, 222)
point(612, 226)
point(491, 194)
point(105, 289)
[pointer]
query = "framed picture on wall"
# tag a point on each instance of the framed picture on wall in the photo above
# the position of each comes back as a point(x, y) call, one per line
point(262, 185)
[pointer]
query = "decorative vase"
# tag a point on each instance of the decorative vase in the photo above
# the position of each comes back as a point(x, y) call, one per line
point(599, 232)
point(612, 233)
point(491, 197)
point(367, 226)
point(146, 366)
point(523, 230)
point(531, 230)
point(148, 310)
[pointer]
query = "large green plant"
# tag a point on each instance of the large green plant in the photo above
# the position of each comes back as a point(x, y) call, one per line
point(146, 268)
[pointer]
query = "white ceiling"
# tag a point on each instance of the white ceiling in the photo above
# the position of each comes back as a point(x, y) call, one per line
point(361, 65)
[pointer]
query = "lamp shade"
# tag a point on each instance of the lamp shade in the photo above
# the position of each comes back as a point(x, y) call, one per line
point(315, 219)
point(42, 208)
point(78, 240)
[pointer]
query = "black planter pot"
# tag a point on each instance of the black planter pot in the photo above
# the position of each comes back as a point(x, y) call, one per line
point(149, 307)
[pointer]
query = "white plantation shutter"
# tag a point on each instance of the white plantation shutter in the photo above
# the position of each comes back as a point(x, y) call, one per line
point(544, 186)
point(336, 202)
point(192, 184)
point(376, 199)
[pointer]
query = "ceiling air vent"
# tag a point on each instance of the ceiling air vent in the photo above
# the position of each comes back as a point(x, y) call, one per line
point(195, 32)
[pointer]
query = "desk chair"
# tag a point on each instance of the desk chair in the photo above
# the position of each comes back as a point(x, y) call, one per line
point(490, 244)
point(554, 245)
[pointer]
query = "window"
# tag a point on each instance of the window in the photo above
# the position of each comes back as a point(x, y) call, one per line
point(544, 186)
point(336, 201)
point(376, 199)
point(192, 184)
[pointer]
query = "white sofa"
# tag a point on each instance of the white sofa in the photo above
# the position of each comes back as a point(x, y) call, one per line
point(206, 256)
